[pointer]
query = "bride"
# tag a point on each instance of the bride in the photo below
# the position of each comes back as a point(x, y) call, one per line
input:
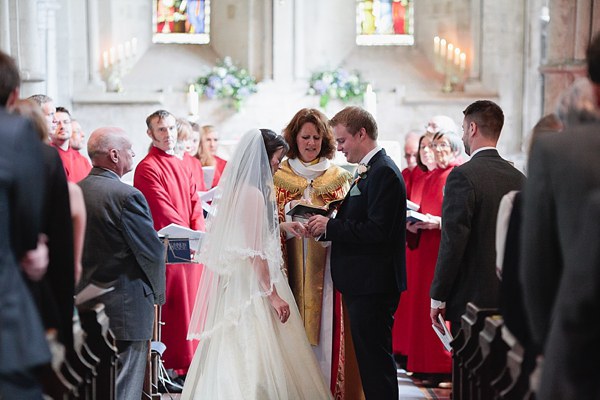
point(252, 340)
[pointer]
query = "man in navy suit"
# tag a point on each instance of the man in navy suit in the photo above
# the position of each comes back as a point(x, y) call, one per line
point(368, 263)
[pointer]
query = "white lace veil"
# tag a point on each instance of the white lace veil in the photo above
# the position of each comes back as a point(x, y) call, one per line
point(241, 252)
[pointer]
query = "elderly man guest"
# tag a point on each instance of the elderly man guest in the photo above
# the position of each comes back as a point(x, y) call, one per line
point(122, 249)
point(169, 187)
point(466, 264)
point(367, 249)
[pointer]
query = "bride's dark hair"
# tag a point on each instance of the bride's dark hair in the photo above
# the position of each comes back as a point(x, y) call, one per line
point(273, 142)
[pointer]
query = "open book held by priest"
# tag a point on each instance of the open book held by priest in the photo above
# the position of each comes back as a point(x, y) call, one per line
point(304, 210)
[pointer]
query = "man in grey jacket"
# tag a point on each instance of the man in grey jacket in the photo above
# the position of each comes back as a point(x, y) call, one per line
point(122, 250)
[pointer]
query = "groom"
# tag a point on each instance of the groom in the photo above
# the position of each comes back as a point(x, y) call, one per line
point(367, 250)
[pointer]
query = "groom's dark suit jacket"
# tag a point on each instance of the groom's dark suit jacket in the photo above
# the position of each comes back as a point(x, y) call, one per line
point(466, 266)
point(368, 234)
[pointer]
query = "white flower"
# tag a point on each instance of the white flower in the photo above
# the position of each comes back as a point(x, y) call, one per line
point(362, 169)
point(222, 72)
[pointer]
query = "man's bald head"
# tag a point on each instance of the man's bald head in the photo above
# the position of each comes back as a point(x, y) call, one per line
point(110, 148)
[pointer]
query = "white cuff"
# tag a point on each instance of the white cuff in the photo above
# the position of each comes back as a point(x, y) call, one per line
point(438, 304)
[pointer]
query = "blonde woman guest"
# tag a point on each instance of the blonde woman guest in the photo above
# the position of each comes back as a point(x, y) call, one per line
point(182, 150)
point(209, 144)
point(308, 176)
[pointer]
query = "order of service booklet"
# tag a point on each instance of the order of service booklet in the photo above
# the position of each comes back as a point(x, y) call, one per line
point(446, 336)
point(302, 209)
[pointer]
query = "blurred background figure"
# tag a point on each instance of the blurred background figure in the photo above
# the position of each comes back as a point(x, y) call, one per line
point(208, 155)
point(77, 141)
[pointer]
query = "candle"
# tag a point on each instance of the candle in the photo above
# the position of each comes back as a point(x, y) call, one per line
point(192, 98)
point(370, 100)
point(456, 56)
point(105, 58)
point(112, 56)
point(120, 52)
point(127, 49)
point(134, 46)
point(436, 45)
point(450, 50)
point(463, 62)
point(443, 48)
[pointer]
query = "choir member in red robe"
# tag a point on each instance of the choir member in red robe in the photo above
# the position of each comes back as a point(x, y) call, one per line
point(76, 166)
point(208, 154)
point(426, 353)
point(425, 161)
point(172, 195)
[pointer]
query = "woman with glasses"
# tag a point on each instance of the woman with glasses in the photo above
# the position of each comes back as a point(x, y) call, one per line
point(426, 354)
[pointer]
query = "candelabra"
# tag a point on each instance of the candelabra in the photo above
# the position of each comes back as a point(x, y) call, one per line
point(117, 63)
point(451, 62)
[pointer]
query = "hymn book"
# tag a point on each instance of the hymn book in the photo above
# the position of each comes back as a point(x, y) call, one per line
point(446, 336)
point(415, 216)
point(302, 210)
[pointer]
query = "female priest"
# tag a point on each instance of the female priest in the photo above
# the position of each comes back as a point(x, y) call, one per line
point(252, 341)
point(308, 176)
point(426, 354)
point(207, 154)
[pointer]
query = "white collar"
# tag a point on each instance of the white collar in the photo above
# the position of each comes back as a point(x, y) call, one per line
point(370, 155)
point(308, 170)
point(483, 148)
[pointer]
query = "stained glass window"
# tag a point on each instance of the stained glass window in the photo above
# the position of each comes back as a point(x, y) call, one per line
point(181, 21)
point(384, 22)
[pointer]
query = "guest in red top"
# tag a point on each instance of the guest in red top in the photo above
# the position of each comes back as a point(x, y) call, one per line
point(76, 166)
point(425, 163)
point(172, 196)
point(426, 353)
point(184, 139)
point(208, 154)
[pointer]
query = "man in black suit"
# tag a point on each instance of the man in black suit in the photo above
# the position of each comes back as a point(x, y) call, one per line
point(466, 266)
point(23, 346)
point(122, 250)
point(368, 263)
point(559, 257)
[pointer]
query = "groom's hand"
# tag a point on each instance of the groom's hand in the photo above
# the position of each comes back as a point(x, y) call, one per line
point(317, 225)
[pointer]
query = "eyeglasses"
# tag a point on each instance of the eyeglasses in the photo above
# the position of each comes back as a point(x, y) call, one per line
point(441, 146)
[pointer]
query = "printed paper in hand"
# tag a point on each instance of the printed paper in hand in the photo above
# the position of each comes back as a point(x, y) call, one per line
point(446, 336)
point(89, 292)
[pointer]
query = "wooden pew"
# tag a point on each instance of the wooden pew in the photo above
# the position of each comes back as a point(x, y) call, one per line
point(102, 343)
point(52, 377)
point(489, 360)
point(513, 382)
point(465, 345)
point(83, 361)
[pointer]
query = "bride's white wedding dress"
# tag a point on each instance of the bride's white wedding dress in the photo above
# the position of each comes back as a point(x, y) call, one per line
point(245, 351)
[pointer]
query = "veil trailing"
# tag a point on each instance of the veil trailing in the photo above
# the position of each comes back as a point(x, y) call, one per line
point(241, 251)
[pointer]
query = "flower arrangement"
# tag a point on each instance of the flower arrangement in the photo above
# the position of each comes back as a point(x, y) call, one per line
point(337, 84)
point(227, 81)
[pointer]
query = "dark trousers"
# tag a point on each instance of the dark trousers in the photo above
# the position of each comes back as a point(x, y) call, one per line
point(371, 320)
point(130, 378)
point(20, 386)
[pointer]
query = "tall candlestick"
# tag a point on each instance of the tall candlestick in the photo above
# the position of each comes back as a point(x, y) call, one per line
point(192, 98)
point(370, 100)
point(105, 58)
point(120, 52)
point(436, 45)
point(112, 56)
point(450, 50)
point(127, 49)
point(443, 48)
point(456, 56)
point(463, 62)
point(134, 46)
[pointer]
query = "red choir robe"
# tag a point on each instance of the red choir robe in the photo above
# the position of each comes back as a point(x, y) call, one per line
point(218, 170)
point(172, 196)
point(76, 166)
point(426, 354)
point(401, 328)
point(196, 167)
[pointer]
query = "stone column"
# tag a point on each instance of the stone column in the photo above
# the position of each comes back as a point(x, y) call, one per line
point(48, 30)
point(4, 26)
point(29, 50)
point(93, 42)
point(283, 40)
point(299, 51)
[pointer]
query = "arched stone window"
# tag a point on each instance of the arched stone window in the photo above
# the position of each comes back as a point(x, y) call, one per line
point(384, 22)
